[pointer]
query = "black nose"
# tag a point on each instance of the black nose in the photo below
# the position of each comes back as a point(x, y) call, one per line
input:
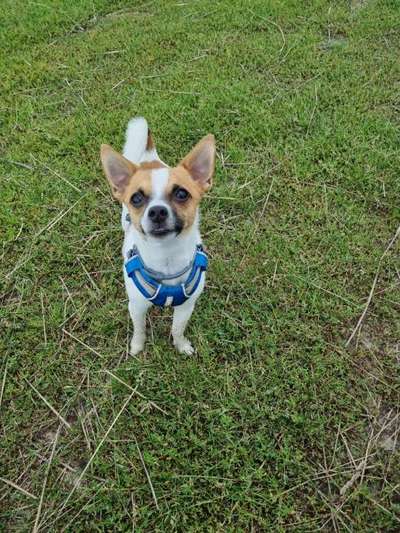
point(158, 214)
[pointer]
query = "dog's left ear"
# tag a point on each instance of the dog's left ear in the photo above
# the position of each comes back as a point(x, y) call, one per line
point(117, 168)
point(200, 162)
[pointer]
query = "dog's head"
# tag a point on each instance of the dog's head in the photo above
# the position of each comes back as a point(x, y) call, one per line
point(161, 200)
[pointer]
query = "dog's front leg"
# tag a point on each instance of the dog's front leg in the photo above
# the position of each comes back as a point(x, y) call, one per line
point(138, 311)
point(182, 314)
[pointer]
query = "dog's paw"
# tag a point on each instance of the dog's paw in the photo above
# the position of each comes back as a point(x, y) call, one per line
point(137, 346)
point(184, 346)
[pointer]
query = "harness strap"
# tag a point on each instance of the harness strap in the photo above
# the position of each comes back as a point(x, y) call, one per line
point(145, 279)
point(156, 273)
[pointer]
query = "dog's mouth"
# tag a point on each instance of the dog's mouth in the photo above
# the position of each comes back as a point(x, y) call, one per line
point(161, 232)
point(171, 227)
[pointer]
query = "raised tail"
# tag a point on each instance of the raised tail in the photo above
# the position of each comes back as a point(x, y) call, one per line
point(139, 144)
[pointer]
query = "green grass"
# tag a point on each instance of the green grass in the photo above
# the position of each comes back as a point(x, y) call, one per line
point(266, 427)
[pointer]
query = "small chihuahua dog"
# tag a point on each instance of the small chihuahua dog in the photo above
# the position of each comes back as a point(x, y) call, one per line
point(164, 261)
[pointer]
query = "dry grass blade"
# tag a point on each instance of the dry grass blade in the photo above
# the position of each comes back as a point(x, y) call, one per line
point(26, 256)
point(256, 226)
point(325, 290)
point(20, 476)
point(92, 457)
point(88, 276)
point(134, 512)
point(81, 342)
point(83, 508)
point(334, 513)
point(17, 487)
point(118, 84)
point(135, 391)
point(371, 292)
point(373, 442)
point(49, 405)
point(394, 516)
point(322, 476)
point(147, 474)
point(268, 21)
point(56, 174)
point(18, 164)
point(313, 111)
point(49, 526)
point(350, 455)
point(39, 509)
point(43, 319)
point(357, 473)
point(57, 219)
point(3, 382)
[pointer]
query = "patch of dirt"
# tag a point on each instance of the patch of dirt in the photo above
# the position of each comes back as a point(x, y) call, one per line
point(389, 421)
point(358, 4)
point(333, 43)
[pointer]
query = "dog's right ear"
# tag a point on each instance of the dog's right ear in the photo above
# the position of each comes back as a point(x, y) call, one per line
point(117, 169)
point(200, 162)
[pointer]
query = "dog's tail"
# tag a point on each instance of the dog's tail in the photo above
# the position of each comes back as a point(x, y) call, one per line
point(139, 144)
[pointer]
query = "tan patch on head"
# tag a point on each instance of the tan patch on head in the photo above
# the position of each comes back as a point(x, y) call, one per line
point(179, 177)
point(152, 165)
point(140, 181)
point(186, 211)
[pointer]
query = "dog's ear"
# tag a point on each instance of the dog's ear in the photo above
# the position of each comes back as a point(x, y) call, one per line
point(117, 169)
point(200, 162)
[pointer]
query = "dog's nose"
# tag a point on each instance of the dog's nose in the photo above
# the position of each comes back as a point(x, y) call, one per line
point(158, 214)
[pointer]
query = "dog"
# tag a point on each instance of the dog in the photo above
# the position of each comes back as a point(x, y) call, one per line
point(164, 260)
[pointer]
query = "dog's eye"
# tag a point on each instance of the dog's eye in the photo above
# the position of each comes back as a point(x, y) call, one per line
point(138, 199)
point(181, 194)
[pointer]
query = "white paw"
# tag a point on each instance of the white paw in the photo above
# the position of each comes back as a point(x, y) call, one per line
point(184, 346)
point(137, 345)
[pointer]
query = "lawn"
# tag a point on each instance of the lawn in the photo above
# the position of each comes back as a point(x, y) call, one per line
point(287, 418)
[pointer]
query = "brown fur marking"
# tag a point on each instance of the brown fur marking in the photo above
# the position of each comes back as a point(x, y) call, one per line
point(179, 176)
point(150, 142)
point(141, 180)
point(186, 211)
point(152, 164)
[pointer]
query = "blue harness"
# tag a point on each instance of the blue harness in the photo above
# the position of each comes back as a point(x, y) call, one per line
point(149, 282)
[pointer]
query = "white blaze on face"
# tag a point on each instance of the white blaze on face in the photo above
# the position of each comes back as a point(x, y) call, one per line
point(159, 183)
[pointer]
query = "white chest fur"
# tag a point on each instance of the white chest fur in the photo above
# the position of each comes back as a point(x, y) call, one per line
point(169, 255)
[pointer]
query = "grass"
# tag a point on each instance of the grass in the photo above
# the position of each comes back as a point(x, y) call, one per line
point(276, 424)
